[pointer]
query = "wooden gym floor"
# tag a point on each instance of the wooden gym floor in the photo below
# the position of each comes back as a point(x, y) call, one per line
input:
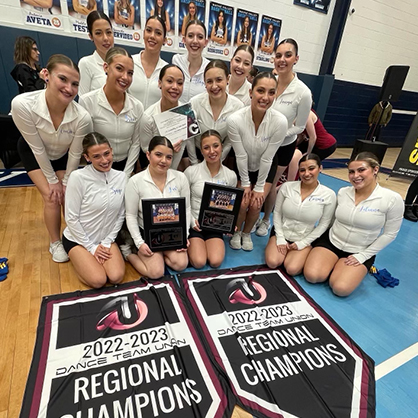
point(24, 241)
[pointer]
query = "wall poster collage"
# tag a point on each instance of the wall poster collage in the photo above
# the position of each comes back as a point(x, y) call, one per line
point(228, 27)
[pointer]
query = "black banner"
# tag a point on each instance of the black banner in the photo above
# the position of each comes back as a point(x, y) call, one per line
point(284, 356)
point(407, 162)
point(125, 352)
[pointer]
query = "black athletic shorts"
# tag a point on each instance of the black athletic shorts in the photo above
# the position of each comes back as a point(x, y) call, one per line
point(324, 242)
point(205, 235)
point(253, 175)
point(29, 160)
point(67, 244)
point(285, 154)
point(119, 165)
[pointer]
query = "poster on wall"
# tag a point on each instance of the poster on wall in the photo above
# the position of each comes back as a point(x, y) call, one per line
point(126, 19)
point(127, 351)
point(42, 13)
point(78, 11)
point(220, 29)
point(245, 28)
point(284, 356)
point(166, 10)
point(267, 40)
point(318, 5)
point(189, 10)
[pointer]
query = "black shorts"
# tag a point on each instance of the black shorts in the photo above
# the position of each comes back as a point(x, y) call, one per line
point(285, 154)
point(273, 233)
point(324, 242)
point(67, 244)
point(143, 160)
point(205, 235)
point(253, 175)
point(29, 160)
point(119, 165)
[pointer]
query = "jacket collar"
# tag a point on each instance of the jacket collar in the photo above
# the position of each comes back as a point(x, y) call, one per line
point(40, 108)
point(102, 101)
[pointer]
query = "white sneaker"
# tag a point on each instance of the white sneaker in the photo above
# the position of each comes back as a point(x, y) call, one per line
point(58, 253)
point(263, 228)
point(247, 243)
point(235, 242)
point(255, 226)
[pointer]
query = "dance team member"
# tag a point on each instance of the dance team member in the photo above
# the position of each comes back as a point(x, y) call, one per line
point(192, 63)
point(213, 107)
point(303, 212)
point(160, 11)
point(124, 13)
point(241, 65)
point(148, 63)
point(191, 15)
point(316, 139)
point(157, 181)
point(268, 41)
point(171, 81)
point(219, 34)
point(256, 133)
point(94, 213)
point(92, 74)
point(53, 127)
point(115, 113)
point(207, 246)
point(27, 73)
point(367, 218)
point(294, 100)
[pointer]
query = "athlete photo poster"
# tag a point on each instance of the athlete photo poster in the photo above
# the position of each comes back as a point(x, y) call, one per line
point(126, 19)
point(268, 39)
point(245, 28)
point(46, 14)
point(189, 10)
point(166, 10)
point(78, 11)
point(220, 29)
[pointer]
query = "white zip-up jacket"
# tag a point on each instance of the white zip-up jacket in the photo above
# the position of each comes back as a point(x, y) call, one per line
point(368, 227)
point(149, 130)
point(141, 186)
point(94, 207)
point(92, 73)
point(295, 103)
point(146, 89)
point(203, 110)
point(31, 116)
point(198, 175)
point(121, 130)
point(302, 222)
point(243, 93)
point(255, 151)
point(192, 85)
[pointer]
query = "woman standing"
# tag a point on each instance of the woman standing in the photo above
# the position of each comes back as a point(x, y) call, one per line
point(303, 211)
point(207, 246)
point(241, 65)
point(293, 100)
point(94, 213)
point(219, 34)
point(368, 218)
point(160, 11)
point(91, 67)
point(27, 72)
point(268, 41)
point(214, 107)
point(124, 13)
point(171, 81)
point(148, 63)
point(191, 15)
point(245, 37)
point(157, 181)
point(192, 63)
point(53, 127)
point(256, 132)
point(115, 113)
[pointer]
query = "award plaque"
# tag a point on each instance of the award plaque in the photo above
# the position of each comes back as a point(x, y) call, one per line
point(165, 223)
point(219, 208)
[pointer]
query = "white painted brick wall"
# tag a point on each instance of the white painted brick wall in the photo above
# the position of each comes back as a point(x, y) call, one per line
point(380, 33)
point(308, 27)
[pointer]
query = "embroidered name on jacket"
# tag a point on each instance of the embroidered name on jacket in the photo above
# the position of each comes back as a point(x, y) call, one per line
point(116, 191)
point(367, 209)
